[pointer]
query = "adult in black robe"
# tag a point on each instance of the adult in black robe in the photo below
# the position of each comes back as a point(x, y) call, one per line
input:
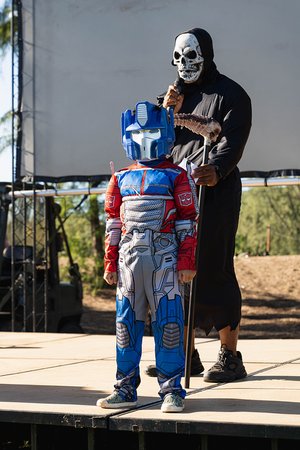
point(218, 296)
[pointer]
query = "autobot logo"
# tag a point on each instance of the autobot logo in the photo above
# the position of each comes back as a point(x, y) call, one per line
point(185, 199)
point(110, 202)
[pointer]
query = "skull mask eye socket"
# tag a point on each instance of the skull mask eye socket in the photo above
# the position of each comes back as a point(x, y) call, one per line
point(191, 54)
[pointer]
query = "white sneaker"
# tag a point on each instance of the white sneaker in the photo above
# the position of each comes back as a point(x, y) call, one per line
point(114, 401)
point(172, 403)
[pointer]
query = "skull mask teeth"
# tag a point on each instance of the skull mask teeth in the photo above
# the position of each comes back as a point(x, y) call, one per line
point(187, 57)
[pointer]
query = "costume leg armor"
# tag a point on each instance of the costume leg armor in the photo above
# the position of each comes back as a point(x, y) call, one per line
point(129, 329)
point(147, 275)
point(167, 321)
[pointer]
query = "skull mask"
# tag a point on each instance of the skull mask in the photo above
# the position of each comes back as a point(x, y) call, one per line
point(187, 57)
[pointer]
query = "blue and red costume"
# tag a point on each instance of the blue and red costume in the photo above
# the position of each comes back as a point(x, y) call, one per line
point(151, 213)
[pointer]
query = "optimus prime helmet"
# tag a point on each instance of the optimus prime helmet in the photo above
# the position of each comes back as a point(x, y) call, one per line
point(148, 131)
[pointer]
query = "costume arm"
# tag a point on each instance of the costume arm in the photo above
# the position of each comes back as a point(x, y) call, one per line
point(113, 202)
point(236, 126)
point(185, 224)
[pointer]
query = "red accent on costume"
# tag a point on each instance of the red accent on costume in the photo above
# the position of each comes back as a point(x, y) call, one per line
point(161, 180)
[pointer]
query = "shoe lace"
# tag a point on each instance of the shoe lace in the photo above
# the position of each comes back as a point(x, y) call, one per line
point(174, 399)
point(178, 400)
point(222, 360)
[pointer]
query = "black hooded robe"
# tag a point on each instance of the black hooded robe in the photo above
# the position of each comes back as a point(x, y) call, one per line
point(218, 297)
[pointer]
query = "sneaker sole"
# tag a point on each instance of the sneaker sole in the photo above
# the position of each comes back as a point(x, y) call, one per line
point(209, 378)
point(167, 409)
point(104, 404)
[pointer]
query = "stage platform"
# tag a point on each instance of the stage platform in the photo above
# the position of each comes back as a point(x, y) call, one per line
point(50, 384)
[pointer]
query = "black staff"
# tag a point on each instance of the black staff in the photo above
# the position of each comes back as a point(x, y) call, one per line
point(191, 313)
point(210, 130)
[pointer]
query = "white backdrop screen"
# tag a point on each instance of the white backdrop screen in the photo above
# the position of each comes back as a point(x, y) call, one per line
point(84, 62)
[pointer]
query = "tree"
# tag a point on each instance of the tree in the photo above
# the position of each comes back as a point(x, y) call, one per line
point(84, 223)
point(273, 210)
point(5, 46)
point(5, 126)
point(5, 27)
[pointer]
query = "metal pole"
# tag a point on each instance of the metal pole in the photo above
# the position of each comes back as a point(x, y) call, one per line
point(13, 169)
point(268, 240)
point(189, 340)
point(272, 181)
point(34, 271)
point(45, 264)
point(259, 182)
point(58, 192)
point(25, 265)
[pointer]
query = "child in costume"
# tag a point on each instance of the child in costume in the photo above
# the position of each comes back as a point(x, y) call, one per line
point(150, 242)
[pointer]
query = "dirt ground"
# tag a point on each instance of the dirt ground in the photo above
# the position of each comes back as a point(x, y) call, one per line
point(270, 287)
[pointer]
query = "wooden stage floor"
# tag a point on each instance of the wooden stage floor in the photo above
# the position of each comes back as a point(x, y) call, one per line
point(56, 379)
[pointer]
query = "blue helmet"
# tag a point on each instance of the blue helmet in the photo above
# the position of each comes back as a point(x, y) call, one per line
point(148, 131)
